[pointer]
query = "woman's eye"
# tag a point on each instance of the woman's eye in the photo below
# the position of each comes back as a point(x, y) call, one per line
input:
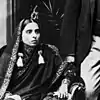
point(37, 31)
point(29, 31)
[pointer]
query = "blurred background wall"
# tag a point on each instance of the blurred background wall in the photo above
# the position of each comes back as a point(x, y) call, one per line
point(3, 16)
point(6, 22)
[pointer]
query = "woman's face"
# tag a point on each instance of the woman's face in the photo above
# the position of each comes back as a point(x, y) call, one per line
point(31, 34)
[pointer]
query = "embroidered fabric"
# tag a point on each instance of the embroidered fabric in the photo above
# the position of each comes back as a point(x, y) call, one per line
point(10, 64)
point(27, 53)
point(11, 48)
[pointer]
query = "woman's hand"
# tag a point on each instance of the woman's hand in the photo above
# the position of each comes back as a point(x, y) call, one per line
point(12, 97)
point(62, 92)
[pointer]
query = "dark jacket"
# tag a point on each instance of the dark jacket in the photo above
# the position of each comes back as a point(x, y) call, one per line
point(76, 32)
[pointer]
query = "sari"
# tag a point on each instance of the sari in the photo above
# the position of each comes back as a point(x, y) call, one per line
point(42, 72)
point(36, 78)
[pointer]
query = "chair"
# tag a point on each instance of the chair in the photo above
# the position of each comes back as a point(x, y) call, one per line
point(76, 87)
point(2, 49)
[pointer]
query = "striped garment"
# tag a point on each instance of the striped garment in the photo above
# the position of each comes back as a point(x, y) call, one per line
point(90, 70)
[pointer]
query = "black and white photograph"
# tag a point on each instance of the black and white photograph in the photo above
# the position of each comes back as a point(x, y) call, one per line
point(49, 50)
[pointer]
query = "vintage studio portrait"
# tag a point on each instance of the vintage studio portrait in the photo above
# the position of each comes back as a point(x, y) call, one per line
point(49, 49)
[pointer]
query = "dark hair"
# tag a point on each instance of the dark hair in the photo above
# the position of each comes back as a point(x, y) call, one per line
point(24, 23)
point(29, 20)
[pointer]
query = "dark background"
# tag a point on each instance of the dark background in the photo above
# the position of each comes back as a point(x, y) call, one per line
point(71, 33)
point(51, 16)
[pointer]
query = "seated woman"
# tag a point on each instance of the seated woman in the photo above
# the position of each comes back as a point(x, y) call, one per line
point(30, 70)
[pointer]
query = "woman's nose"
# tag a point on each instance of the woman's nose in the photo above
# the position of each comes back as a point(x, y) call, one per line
point(33, 34)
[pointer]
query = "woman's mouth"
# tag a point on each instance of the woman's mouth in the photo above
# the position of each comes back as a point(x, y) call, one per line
point(34, 41)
